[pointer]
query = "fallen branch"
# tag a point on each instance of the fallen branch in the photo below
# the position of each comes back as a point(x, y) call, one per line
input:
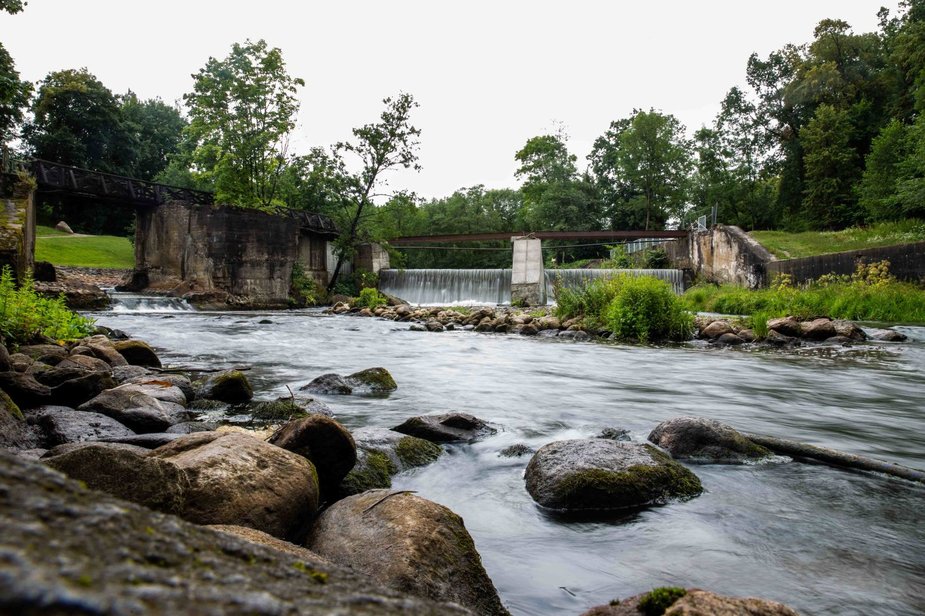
point(836, 458)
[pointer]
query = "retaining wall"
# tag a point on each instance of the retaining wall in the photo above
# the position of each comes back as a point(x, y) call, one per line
point(907, 262)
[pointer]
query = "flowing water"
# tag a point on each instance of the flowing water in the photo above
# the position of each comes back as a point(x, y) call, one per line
point(823, 540)
point(459, 287)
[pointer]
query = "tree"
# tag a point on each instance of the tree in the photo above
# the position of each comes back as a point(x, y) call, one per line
point(78, 121)
point(643, 164)
point(12, 6)
point(14, 98)
point(242, 109)
point(831, 170)
point(877, 191)
point(392, 143)
point(156, 129)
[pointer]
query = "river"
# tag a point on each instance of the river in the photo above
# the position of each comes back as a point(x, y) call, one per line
point(822, 540)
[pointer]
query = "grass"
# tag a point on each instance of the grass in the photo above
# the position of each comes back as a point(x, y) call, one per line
point(871, 294)
point(784, 245)
point(103, 251)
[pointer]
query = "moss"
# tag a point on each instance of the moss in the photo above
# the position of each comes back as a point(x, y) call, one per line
point(318, 576)
point(10, 406)
point(377, 379)
point(413, 451)
point(84, 580)
point(658, 600)
point(277, 410)
point(375, 471)
point(638, 485)
point(203, 404)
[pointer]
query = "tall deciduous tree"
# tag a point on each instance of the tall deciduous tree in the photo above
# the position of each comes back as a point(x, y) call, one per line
point(242, 110)
point(389, 144)
point(831, 170)
point(78, 121)
point(14, 98)
point(12, 6)
point(156, 129)
point(643, 164)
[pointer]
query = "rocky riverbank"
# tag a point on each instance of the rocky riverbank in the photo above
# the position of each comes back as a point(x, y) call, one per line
point(302, 510)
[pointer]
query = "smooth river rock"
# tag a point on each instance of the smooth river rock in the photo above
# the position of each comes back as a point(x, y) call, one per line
point(446, 428)
point(705, 440)
point(132, 406)
point(382, 453)
point(61, 424)
point(230, 386)
point(238, 479)
point(409, 544)
point(69, 550)
point(586, 474)
point(694, 602)
point(324, 442)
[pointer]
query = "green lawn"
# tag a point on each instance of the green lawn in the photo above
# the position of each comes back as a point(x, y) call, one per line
point(104, 251)
point(785, 245)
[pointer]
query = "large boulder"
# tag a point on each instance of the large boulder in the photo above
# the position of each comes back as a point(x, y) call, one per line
point(690, 602)
point(382, 453)
point(79, 389)
point(102, 347)
point(177, 380)
point(238, 479)
point(373, 381)
point(786, 326)
point(705, 440)
point(15, 433)
point(125, 473)
point(446, 428)
point(49, 354)
point(586, 474)
point(409, 544)
point(323, 441)
point(24, 389)
point(61, 424)
point(133, 407)
point(137, 353)
point(69, 550)
point(230, 386)
point(818, 329)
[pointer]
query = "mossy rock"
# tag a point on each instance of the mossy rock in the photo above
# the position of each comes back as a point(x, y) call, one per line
point(231, 386)
point(596, 474)
point(705, 440)
point(413, 451)
point(277, 410)
point(372, 381)
point(690, 601)
point(373, 470)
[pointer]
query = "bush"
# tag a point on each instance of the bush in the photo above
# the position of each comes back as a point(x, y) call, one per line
point(24, 314)
point(303, 290)
point(370, 298)
point(632, 307)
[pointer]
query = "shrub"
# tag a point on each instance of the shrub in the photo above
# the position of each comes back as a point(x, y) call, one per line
point(303, 290)
point(24, 313)
point(370, 298)
point(658, 600)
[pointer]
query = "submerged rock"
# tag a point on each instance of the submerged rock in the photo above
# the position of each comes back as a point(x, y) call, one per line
point(446, 428)
point(372, 381)
point(516, 451)
point(70, 550)
point(886, 335)
point(409, 544)
point(705, 440)
point(586, 474)
point(382, 453)
point(328, 384)
point(690, 602)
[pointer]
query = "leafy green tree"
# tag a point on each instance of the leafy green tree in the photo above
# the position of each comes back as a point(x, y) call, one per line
point(12, 6)
point(242, 110)
point(831, 170)
point(157, 131)
point(879, 185)
point(14, 98)
point(643, 164)
point(78, 121)
point(380, 147)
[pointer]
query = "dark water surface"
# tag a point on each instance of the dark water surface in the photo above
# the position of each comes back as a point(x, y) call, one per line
point(822, 540)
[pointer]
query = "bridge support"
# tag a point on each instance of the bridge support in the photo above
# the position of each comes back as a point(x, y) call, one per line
point(528, 277)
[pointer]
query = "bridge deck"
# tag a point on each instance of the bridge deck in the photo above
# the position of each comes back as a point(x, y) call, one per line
point(540, 235)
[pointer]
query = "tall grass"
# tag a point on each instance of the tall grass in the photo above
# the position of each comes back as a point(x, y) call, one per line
point(871, 294)
point(786, 245)
point(24, 313)
point(632, 307)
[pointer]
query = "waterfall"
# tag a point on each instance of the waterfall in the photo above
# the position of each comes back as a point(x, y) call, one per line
point(131, 302)
point(576, 278)
point(447, 287)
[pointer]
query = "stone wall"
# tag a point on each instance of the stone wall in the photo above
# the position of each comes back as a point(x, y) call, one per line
point(17, 224)
point(724, 254)
point(221, 255)
point(907, 262)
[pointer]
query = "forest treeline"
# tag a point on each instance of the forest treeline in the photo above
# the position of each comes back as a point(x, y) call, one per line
point(824, 135)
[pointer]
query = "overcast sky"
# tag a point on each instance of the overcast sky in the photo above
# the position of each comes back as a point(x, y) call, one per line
point(488, 75)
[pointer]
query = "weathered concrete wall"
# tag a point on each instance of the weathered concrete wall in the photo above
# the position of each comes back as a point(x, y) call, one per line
point(372, 258)
point(17, 224)
point(907, 262)
point(724, 254)
point(528, 276)
point(221, 254)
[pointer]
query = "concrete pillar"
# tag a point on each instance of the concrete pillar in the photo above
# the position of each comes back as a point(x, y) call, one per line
point(371, 258)
point(528, 277)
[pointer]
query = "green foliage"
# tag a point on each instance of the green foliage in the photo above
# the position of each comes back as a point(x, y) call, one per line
point(156, 130)
point(632, 307)
point(24, 313)
point(370, 298)
point(303, 290)
point(657, 601)
point(242, 109)
point(785, 245)
point(831, 170)
point(12, 6)
point(871, 294)
point(104, 251)
point(14, 97)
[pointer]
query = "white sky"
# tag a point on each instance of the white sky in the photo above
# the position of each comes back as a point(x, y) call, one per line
point(488, 75)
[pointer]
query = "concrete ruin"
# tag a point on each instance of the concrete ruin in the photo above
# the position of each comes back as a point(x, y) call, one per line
point(528, 275)
point(723, 254)
point(17, 224)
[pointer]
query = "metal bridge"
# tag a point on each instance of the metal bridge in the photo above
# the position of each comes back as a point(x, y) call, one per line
point(538, 235)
